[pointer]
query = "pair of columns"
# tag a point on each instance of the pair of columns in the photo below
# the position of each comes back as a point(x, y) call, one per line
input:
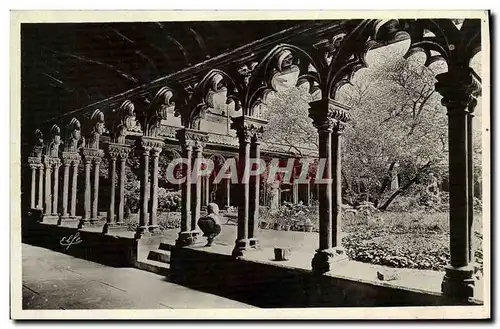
point(329, 117)
point(91, 158)
point(71, 160)
point(37, 168)
point(116, 152)
point(192, 143)
point(206, 191)
point(148, 221)
point(249, 131)
point(48, 185)
point(460, 88)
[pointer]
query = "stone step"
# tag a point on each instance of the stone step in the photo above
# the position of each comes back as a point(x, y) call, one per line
point(166, 246)
point(153, 266)
point(159, 255)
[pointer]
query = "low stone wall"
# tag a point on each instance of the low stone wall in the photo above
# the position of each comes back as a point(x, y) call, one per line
point(269, 285)
point(93, 246)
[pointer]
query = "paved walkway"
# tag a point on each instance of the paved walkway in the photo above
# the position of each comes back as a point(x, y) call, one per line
point(53, 280)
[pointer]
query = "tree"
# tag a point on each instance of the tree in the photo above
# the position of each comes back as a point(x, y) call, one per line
point(400, 123)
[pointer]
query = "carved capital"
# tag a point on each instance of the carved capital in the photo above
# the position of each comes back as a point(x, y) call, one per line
point(460, 89)
point(34, 161)
point(248, 129)
point(328, 114)
point(91, 155)
point(190, 138)
point(118, 151)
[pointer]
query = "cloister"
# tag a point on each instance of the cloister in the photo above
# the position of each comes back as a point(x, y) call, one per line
point(179, 114)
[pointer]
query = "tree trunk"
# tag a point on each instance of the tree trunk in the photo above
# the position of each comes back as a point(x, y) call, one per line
point(396, 194)
point(402, 189)
point(385, 183)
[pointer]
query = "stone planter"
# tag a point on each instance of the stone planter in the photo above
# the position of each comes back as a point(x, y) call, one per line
point(281, 253)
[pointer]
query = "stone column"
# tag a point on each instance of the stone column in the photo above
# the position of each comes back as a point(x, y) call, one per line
point(65, 195)
point(74, 183)
point(33, 185)
point(308, 192)
point(86, 201)
point(253, 220)
point(153, 220)
point(55, 196)
point(196, 197)
point(206, 179)
point(48, 192)
point(228, 192)
point(242, 243)
point(116, 152)
point(143, 202)
point(459, 89)
point(338, 129)
point(295, 192)
point(40, 186)
point(189, 139)
point(249, 130)
point(95, 200)
point(325, 114)
point(112, 181)
point(34, 163)
point(121, 188)
point(186, 191)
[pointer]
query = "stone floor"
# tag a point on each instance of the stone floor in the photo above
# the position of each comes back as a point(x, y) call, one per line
point(53, 280)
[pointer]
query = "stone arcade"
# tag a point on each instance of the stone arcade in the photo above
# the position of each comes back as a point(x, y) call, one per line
point(172, 113)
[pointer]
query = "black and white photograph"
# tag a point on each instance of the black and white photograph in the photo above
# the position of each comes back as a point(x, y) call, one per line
point(320, 165)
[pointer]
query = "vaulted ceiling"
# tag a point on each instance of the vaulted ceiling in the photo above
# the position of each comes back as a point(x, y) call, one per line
point(66, 66)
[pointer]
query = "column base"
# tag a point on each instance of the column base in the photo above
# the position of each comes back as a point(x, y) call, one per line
point(253, 243)
point(241, 247)
point(147, 231)
point(68, 220)
point(90, 222)
point(114, 227)
point(50, 219)
point(187, 238)
point(458, 282)
point(324, 260)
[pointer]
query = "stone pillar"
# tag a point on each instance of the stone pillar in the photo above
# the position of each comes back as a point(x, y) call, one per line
point(253, 220)
point(326, 113)
point(143, 202)
point(55, 196)
point(116, 152)
point(95, 200)
point(308, 193)
point(242, 243)
point(91, 155)
point(206, 179)
point(148, 224)
point(65, 195)
point(459, 89)
point(196, 197)
point(249, 130)
point(153, 220)
point(33, 185)
point(112, 182)
point(121, 188)
point(40, 187)
point(86, 201)
point(189, 139)
point(48, 192)
point(35, 163)
point(338, 129)
point(295, 192)
point(228, 192)
point(74, 183)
